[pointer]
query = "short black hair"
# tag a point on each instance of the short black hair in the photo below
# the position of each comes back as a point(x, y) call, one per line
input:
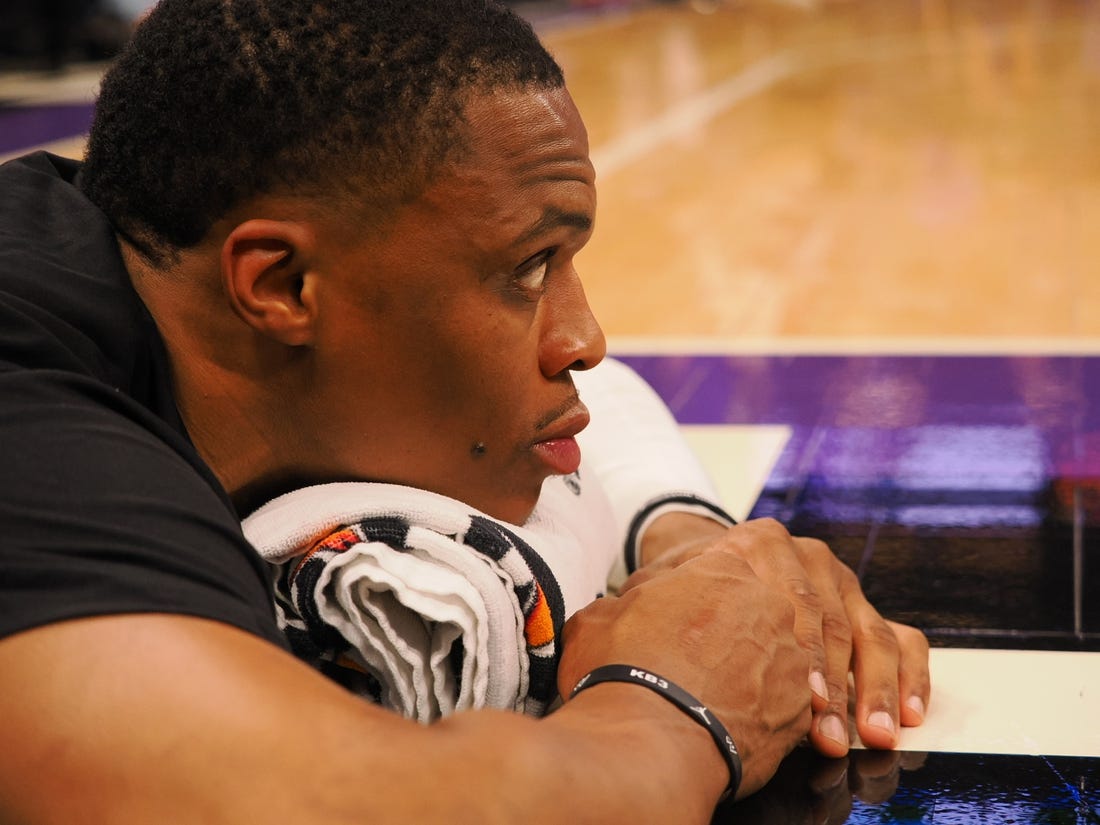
point(214, 101)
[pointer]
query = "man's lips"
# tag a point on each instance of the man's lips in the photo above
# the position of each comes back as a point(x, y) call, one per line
point(558, 448)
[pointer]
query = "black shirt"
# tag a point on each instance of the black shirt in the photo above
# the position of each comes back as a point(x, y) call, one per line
point(105, 506)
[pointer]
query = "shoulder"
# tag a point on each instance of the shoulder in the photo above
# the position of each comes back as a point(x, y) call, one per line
point(105, 510)
point(65, 297)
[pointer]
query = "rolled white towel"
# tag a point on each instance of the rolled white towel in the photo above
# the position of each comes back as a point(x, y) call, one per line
point(424, 604)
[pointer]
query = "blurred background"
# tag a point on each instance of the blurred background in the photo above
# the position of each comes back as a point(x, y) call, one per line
point(888, 170)
point(53, 33)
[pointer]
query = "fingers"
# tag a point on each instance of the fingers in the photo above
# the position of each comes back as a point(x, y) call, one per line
point(889, 661)
point(813, 580)
point(876, 658)
point(780, 560)
point(829, 733)
point(890, 666)
point(914, 681)
point(776, 558)
point(838, 629)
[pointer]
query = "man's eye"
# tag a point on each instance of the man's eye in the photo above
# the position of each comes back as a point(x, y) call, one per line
point(533, 275)
point(533, 278)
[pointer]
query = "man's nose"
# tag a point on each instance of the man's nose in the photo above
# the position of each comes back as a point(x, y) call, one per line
point(572, 338)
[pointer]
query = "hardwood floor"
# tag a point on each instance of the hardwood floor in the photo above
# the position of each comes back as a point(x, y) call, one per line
point(898, 171)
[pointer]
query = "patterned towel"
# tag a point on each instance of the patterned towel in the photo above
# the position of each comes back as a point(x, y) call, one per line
point(419, 602)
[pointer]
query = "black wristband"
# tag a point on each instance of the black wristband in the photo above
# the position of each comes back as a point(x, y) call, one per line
point(683, 700)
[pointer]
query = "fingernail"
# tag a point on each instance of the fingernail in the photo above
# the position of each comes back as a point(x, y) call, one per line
point(818, 686)
point(915, 704)
point(833, 728)
point(881, 719)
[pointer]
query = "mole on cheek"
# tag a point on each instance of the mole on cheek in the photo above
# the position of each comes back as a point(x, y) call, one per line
point(478, 450)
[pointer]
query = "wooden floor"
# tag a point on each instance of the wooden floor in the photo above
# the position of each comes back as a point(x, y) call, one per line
point(842, 170)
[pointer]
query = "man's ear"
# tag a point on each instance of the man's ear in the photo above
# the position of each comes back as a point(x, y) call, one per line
point(267, 278)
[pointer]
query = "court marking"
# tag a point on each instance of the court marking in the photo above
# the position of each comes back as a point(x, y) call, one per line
point(568, 25)
point(858, 345)
point(693, 113)
point(739, 458)
point(1010, 701)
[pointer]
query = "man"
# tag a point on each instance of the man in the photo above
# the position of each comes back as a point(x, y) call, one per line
point(333, 240)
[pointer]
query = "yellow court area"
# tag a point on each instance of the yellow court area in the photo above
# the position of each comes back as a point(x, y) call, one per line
point(905, 174)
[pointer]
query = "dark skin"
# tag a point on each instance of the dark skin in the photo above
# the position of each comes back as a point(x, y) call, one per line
point(835, 624)
point(281, 325)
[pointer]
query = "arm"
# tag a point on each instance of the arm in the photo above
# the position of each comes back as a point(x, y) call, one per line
point(138, 719)
point(158, 718)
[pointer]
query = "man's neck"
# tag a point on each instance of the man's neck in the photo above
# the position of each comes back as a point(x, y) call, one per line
point(230, 417)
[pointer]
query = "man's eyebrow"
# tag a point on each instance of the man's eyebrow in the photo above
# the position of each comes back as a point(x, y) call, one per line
point(552, 218)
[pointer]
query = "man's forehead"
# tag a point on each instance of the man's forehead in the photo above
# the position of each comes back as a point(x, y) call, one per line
point(523, 171)
point(526, 128)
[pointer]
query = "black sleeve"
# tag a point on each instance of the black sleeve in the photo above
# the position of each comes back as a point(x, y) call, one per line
point(100, 514)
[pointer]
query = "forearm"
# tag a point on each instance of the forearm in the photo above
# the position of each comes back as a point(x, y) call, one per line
point(615, 753)
point(167, 719)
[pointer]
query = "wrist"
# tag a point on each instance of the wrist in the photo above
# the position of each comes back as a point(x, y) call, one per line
point(683, 701)
point(672, 530)
point(663, 751)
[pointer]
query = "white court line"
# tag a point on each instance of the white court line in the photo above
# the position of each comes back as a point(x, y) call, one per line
point(1011, 701)
point(739, 458)
point(692, 114)
point(695, 112)
point(75, 85)
point(862, 345)
point(569, 25)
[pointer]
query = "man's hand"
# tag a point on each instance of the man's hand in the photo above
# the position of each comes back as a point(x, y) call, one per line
point(834, 623)
point(712, 626)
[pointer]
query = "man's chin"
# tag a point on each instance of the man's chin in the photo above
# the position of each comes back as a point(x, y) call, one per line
point(513, 509)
